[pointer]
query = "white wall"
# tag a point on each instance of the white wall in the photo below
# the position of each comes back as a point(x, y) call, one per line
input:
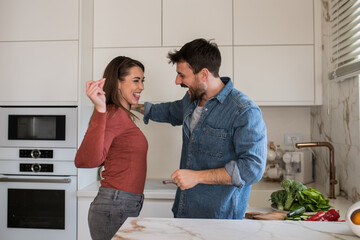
point(282, 120)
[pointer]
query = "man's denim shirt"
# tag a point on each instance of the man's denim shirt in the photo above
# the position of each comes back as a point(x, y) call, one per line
point(230, 133)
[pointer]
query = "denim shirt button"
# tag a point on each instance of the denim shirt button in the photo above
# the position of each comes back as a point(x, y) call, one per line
point(206, 109)
point(192, 139)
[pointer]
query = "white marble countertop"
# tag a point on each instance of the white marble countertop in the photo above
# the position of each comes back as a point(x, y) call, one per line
point(208, 229)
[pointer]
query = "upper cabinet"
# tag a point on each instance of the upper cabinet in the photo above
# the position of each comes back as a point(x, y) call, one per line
point(271, 22)
point(127, 23)
point(186, 20)
point(38, 73)
point(24, 20)
point(270, 48)
point(159, 74)
point(269, 44)
point(277, 51)
point(39, 52)
point(275, 75)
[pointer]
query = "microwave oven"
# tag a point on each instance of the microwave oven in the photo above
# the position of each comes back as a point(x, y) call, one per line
point(38, 127)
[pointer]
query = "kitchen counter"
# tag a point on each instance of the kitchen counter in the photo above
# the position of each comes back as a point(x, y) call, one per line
point(208, 229)
point(259, 197)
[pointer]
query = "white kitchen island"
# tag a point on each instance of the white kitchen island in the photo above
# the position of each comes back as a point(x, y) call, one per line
point(211, 229)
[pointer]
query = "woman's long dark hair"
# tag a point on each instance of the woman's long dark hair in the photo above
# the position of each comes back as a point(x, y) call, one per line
point(116, 71)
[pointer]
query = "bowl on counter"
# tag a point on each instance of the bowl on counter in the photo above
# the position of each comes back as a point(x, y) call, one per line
point(353, 218)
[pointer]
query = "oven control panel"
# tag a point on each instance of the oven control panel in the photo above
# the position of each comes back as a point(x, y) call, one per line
point(36, 167)
point(35, 153)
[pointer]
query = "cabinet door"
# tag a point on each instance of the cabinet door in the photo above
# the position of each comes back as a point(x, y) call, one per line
point(38, 72)
point(159, 74)
point(273, 22)
point(157, 208)
point(127, 23)
point(38, 20)
point(275, 75)
point(83, 231)
point(186, 20)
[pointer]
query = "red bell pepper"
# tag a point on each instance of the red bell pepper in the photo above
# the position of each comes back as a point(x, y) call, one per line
point(316, 217)
point(331, 215)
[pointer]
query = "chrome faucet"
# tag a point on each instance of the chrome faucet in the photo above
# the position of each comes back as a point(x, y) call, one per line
point(333, 181)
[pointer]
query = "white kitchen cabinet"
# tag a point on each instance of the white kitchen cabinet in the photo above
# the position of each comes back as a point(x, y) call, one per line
point(227, 59)
point(83, 232)
point(186, 20)
point(160, 208)
point(24, 20)
point(260, 22)
point(275, 75)
point(127, 23)
point(38, 72)
point(277, 51)
point(159, 74)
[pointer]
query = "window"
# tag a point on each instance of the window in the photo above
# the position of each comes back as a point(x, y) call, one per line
point(344, 39)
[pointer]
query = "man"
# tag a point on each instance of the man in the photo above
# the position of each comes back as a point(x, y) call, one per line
point(224, 136)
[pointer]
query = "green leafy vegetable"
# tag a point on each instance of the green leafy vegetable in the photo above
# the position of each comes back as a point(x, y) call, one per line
point(278, 198)
point(295, 195)
point(313, 200)
point(292, 188)
point(294, 206)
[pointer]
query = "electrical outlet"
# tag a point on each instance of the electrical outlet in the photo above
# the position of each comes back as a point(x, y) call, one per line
point(292, 138)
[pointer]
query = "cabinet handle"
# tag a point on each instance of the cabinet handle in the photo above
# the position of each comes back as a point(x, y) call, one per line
point(47, 180)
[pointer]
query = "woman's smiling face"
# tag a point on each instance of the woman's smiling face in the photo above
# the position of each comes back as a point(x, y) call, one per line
point(131, 88)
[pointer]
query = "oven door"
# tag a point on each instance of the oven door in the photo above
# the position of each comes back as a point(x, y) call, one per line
point(38, 207)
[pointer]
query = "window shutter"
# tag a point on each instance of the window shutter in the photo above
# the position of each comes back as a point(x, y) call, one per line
point(344, 39)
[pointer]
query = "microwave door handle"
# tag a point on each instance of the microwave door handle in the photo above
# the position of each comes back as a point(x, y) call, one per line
point(35, 180)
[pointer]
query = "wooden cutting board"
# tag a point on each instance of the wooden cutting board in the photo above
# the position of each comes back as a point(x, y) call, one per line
point(266, 216)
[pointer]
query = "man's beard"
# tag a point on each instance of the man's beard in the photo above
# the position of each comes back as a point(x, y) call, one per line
point(198, 92)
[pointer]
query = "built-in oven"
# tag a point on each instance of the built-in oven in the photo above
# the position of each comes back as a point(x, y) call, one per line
point(38, 178)
point(38, 126)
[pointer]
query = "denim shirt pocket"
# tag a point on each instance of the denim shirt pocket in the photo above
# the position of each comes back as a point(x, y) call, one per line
point(212, 141)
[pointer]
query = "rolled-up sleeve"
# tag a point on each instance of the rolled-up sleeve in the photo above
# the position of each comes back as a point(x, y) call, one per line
point(234, 172)
point(250, 142)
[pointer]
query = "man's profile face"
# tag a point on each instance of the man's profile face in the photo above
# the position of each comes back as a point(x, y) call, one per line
point(187, 79)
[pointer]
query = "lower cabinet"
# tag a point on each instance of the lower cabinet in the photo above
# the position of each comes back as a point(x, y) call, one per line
point(83, 232)
point(157, 208)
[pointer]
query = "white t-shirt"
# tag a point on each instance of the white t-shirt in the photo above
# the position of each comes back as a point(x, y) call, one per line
point(195, 116)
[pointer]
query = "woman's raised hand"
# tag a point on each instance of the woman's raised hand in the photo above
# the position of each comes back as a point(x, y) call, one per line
point(94, 91)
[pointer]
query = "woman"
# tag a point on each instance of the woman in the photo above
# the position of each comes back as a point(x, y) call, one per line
point(114, 141)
